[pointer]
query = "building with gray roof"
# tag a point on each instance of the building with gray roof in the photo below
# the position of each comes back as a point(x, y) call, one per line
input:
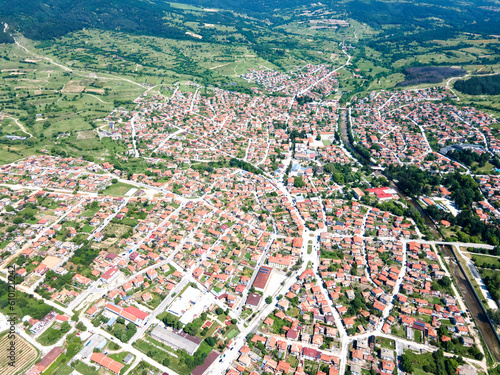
point(176, 339)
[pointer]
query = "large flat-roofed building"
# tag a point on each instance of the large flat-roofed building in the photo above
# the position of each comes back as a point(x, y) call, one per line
point(262, 278)
point(176, 339)
point(96, 342)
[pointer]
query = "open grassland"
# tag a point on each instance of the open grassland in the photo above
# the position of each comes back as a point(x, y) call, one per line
point(483, 261)
point(48, 100)
point(150, 59)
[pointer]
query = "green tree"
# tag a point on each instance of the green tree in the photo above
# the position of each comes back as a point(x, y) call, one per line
point(210, 341)
point(298, 182)
point(445, 281)
point(406, 363)
point(65, 327)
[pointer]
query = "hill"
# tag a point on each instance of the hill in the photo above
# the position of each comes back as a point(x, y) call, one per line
point(47, 19)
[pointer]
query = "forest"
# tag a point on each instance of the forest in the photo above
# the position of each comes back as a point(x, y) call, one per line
point(416, 21)
point(412, 180)
point(469, 157)
point(479, 85)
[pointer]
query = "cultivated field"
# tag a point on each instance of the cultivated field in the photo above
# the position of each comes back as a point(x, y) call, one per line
point(26, 355)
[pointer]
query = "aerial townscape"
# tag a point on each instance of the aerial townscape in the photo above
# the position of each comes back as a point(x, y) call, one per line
point(249, 188)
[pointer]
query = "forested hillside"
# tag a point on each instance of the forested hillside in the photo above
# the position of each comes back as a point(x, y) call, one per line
point(46, 19)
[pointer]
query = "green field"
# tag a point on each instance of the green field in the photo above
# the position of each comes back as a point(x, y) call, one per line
point(59, 367)
point(232, 333)
point(50, 336)
point(483, 261)
point(161, 355)
point(118, 189)
point(85, 369)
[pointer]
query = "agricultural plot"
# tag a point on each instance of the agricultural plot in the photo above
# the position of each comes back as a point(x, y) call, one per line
point(25, 355)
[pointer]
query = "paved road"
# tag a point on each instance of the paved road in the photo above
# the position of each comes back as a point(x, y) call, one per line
point(126, 347)
point(161, 307)
point(134, 143)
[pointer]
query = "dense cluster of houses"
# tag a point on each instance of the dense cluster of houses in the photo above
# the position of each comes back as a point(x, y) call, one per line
point(399, 128)
point(300, 80)
point(48, 172)
point(302, 331)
